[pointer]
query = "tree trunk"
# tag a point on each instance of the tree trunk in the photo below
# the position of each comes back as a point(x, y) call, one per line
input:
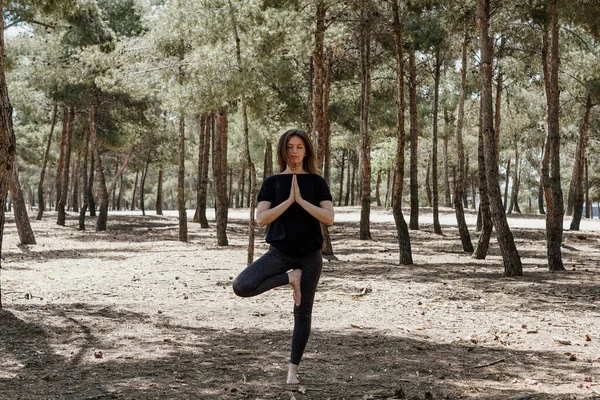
point(64, 163)
point(542, 186)
point(242, 179)
point(327, 248)
point(7, 139)
point(365, 140)
point(202, 196)
point(414, 141)
point(434, 142)
point(86, 183)
point(159, 193)
point(102, 220)
point(41, 203)
point(428, 184)
point(183, 231)
point(510, 256)
point(484, 217)
point(588, 205)
point(350, 179)
point(317, 85)
point(143, 184)
point(447, 194)
point(377, 186)
point(135, 191)
point(514, 196)
point(220, 175)
point(498, 110)
point(341, 192)
point(76, 182)
point(200, 165)
point(506, 182)
point(554, 218)
point(91, 180)
point(268, 162)
point(459, 186)
point(405, 252)
point(578, 176)
point(24, 230)
point(388, 188)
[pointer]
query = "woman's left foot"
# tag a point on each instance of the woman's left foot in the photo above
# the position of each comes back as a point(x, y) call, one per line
point(295, 277)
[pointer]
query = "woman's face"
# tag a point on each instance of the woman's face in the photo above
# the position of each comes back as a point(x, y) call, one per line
point(296, 151)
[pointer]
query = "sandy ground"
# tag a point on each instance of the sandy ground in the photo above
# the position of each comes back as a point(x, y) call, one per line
point(132, 313)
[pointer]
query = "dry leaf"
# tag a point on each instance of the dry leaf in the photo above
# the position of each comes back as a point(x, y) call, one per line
point(356, 326)
point(588, 337)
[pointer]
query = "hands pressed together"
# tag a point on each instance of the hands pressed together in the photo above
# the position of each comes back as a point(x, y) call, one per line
point(295, 195)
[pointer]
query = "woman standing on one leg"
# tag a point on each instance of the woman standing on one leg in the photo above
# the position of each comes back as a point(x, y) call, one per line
point(293, 203)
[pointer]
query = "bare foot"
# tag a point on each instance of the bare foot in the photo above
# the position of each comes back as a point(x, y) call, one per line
point(295, 277)
point(292, 377)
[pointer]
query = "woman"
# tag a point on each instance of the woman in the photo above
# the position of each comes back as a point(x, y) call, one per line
point(292, 203)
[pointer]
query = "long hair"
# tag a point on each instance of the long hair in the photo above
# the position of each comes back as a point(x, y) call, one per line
point(308, 163)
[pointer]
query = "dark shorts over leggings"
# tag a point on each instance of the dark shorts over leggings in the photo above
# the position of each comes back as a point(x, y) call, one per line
point(269, 272)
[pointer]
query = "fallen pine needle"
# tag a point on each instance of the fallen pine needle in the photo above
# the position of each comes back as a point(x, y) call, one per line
point(488, 364)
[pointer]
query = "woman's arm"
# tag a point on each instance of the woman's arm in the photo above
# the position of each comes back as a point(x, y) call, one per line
point(323, 212)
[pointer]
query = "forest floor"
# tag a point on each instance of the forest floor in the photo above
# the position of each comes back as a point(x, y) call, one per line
point(132, 313)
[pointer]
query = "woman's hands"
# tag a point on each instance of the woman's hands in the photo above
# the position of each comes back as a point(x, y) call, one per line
point(295, 196)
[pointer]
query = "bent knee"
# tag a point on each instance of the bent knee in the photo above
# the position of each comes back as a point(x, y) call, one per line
point(240, 289)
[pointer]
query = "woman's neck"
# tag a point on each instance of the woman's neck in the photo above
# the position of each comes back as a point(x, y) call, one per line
point(294, 169)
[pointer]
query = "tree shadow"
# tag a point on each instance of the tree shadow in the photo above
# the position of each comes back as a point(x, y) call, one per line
point(196, 362)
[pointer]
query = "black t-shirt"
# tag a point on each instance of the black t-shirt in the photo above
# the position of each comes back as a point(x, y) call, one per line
point(295, 232)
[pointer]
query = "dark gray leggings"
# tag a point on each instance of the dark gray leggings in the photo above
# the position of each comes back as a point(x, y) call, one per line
point(269, 272)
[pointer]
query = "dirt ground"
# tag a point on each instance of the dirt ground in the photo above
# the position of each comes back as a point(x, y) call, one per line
point(132, 313)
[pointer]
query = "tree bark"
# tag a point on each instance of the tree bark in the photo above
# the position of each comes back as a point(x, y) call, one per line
point(510, 255)
point(220, 175)
point(405, 251)
point(91, 180)
point(428, 185)
point(341, 192)
point(268, 163)
point(208, 128)
point(143, 184)
point(514, 197)
point(414, 141)
point(182, 212)
point(506, 182)
point(24, 230)
point(102, 220)
point(437, 228)
point(377, 186)
point(498, 110)
point(484, 217)
point(459, 187)
point(41, 203)
point(62, 195)
point(588, 205)
point(554, 217)
point(159, 193)
point(86, 183)
point(447, 194)
point(365, 140)
point(578, 175)
point(135, 191)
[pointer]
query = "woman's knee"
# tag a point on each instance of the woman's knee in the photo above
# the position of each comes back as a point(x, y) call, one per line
point(241, 289)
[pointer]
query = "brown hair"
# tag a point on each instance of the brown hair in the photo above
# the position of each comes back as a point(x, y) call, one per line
point(309, 161)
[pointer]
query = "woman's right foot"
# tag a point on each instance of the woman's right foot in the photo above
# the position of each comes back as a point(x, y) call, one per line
point(295, 277)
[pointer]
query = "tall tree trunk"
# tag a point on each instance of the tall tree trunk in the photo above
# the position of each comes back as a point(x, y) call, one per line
point(135, 191)
point(208, 128)
point(24, 230)
point(41, 203)
point(159, 193)
point(578, 176)
point(588, 205)
point(554, 218)
point(64, 164)
point(514, 197)
point(510, 256)
point(377, 186)
point(220, 175)
point(350, 179)
point(484, 216)
point(434, 141)
point(268, 163)
point(76, 184)
point(498, 110)
point(183, 231)
point(7, 139)
point(102, 220)
point(414, 140)
point(317, 84)
point(447, 194)
point(84, 179)
point(365, 140)
point(542, 185)
point(459, 187)
point(91, 180)
point(506, 182)
point(405, 251)
point(341, 192)
point(327, 248)
point(428, 184)
point(143, 184)
point(200, 165)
